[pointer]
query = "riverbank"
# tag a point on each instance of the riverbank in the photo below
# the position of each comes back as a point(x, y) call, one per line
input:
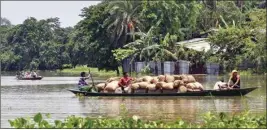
point(94, 71)
point(210, 120)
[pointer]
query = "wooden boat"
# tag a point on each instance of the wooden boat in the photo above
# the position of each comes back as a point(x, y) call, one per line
point(233, 92)
point(31, 78)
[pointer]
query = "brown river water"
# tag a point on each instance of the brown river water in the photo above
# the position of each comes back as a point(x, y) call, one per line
point(50, 95)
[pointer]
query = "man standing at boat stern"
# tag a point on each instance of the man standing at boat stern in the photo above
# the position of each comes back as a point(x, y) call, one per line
point(125, 81)
point(235, 78)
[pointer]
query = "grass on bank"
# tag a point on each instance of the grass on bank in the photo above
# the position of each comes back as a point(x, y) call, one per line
point(94, 71)
point(210, 120)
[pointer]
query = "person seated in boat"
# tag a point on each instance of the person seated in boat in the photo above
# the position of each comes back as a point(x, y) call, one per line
point(34, 74)
point(27, 75)
point(82, 84)
point(220, 85)
point(235, 78)
point(125, 81)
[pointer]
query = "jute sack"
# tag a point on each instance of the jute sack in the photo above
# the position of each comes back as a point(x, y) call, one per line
point(177, 77)
point(135, 86)
point(139, 80)
point(195, 85)
point(190, 89)
point(178, 83)
point(161, 78)
point(169, 79)
point(197, 90)
point(112, 79)
point(182, 89)
point(159, 85)
point(154, 80)
point(147, 79)
point(199, 86)
point(151, 87)
point(188, 78)
point(168, 86)
point(100, 86)
point(143, 85)
point(112, 86)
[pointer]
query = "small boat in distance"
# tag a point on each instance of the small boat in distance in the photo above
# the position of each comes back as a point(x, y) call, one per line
point(30, 78)
point(233, 92)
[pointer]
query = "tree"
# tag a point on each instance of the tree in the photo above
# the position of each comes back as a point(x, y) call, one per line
point(34, 43)
point(122, 20)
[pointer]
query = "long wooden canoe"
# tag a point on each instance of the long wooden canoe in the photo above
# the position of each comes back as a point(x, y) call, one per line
point(31, 78)
point(233, 92)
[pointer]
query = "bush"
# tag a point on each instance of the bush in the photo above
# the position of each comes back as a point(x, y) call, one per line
point(211, 120)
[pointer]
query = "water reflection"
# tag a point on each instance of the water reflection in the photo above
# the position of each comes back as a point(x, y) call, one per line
point(166, 108)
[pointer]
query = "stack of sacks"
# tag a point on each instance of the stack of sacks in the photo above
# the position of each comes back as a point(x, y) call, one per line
point(158, 84)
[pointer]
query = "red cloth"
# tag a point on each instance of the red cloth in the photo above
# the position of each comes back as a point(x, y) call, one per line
point(125, 81)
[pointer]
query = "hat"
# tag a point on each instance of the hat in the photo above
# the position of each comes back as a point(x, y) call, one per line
point(234, 71)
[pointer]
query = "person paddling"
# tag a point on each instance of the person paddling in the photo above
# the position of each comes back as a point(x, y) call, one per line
point(125, 81)
point(235, 78)
point(82, 84)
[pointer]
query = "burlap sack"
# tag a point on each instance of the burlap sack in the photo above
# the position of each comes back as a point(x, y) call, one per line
point(112, 86)
point(195, 85)
point(154, 80)
point(169, 79)
point(182, 89)
point(199, 86)
point(159, 85)
point(177, 77)
point(190, 90)
point(161, 78)
point(178, 83)
point(143, 85)
point(139, 80)
point(168, 86)
point(135, 86)
point(151, 87)
point(100, 86)
point(188, 79)
point(147, 79)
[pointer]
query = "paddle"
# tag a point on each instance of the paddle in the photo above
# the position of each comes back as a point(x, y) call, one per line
point(92, 79)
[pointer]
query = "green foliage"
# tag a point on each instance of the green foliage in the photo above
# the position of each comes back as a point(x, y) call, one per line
point(229, 43)
point(210, 120)
point(144, 30)
point(121, 54)
point(94, 71)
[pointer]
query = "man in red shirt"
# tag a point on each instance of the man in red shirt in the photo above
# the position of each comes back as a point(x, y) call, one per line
point(125, 81)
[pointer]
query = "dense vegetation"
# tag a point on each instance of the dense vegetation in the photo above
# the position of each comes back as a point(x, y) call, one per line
point(143, 30)
point(211, 120)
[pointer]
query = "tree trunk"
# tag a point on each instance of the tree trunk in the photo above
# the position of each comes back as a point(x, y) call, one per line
point(118, 71)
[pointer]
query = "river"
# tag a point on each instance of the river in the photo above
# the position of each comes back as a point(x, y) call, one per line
point(50, 95)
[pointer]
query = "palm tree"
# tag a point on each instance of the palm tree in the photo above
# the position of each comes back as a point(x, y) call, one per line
point(122, 20)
